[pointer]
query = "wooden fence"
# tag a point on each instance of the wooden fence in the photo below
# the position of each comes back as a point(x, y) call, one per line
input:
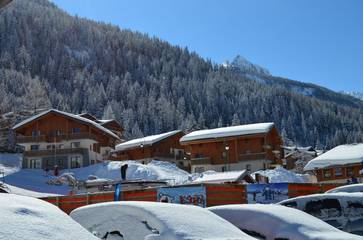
point(216, 194)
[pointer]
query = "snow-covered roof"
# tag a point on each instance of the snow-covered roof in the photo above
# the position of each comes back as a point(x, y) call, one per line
point(228, 132)
point(145, 141)
point(281, 175)
point(221, 177)
point(279, 222)
point(30, 218)
point(74, 116)
point(341, 155)
point(155, 220)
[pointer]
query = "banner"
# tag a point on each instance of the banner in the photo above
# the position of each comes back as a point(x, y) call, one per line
point(267, 193)
point(183, 195)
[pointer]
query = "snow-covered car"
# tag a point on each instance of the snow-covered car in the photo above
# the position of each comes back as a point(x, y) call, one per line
point(341, 210)
point(30, 218)
point(348, 188)
point(154, 220)
point(272, 222)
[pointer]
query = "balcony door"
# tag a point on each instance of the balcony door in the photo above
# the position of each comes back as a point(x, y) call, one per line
point(35, 163)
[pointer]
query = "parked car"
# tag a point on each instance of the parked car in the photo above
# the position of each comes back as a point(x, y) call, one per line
point(31, 218)
point(154, 220)
point(341, 210)
point(348, 188)
point(275, 222)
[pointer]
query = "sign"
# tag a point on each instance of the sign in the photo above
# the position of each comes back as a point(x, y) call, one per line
point(267, 193)
point(183, 195)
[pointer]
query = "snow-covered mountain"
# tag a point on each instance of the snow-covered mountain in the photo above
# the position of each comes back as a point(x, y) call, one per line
point(255, 72)
point(355, 94)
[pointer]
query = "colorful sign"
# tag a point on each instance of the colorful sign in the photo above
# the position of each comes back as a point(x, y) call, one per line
point(183, 195)
point(267, 193)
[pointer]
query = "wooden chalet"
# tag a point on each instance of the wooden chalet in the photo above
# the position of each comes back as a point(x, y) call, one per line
point(67, 140)
point(165, 147)
point(339, 165)
point(252, 147)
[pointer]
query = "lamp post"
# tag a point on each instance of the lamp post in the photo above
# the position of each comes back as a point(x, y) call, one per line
point(226, 147)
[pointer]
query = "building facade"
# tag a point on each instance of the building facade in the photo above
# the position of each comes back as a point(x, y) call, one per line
point(165, 147)
point(252, 147)
point(56, 138)
point(341, 164)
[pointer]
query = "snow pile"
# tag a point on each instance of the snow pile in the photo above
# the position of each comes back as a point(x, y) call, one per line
point(145, 141)
point(219, 177)
point(10, 162)
point(348, 189)
point(36, 180)
point(279, 222)
point(341, 155)
point(30, 218)
point(228, 131)
point(280, 175)
point(147, 220)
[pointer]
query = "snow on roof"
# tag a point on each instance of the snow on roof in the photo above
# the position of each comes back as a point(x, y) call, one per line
point(279, 222)
point(145, 141)
point(154, 220)
point(280, 175)
point(228, 131)
point(348, 188)
point(341, 155)
point(76, 117)
point(31, 218)
point(219, 177)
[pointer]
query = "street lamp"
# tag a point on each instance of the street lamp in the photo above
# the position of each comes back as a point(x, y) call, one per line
point(227, 157)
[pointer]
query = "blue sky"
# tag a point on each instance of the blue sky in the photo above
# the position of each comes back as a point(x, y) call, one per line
point(317, 41)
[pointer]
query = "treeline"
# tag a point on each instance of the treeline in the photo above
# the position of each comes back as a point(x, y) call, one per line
point(48, 58)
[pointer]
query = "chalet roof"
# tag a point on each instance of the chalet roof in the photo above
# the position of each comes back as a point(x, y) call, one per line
point(228, 132)
point(223, 177)
point(340, 155)
point(145, 141)
point(70, 115)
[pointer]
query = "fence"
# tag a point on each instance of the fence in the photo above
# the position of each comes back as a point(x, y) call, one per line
point(216, 194)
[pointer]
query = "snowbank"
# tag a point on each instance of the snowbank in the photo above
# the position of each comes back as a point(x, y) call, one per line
point(279, 222)
point(147, 220)
point(280, 174)
point(228, 131)
point(35, 179)
point(341, 155)
point(30, 218)
point(348, 189)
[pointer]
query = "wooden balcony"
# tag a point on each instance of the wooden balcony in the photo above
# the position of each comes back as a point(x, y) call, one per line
point(52, 152)
point(201, 161)
point(252, 156)
point(55, 138)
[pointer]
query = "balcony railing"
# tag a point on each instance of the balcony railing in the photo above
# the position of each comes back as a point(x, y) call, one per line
point(200, 161)
point(252, 156)
point(52, 152)
point(55, 138)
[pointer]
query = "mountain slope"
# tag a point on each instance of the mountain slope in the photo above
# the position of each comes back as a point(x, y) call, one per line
point(48, 58)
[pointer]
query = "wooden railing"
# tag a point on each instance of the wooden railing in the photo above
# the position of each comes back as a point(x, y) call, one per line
point(54, 138)
point(200, 161)
point(50, 152)
point(252, 156)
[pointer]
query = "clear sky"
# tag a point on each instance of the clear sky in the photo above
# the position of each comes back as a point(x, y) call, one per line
point(317, 41)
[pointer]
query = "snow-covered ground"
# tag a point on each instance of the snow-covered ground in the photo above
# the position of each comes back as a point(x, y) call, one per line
point(31, 218)
point(36, 180)
point(280, 175)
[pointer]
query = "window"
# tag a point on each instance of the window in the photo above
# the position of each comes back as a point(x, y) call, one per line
point(34, 147)
point(350, 171)
point(60, 146)
point(35, 163)
point(75, 144)
point(338, 171)
point(199, 169)
point(58, 132)
point(223, 169)
point(35, 133)
point(248, 167)
point(327, 173)
point(75, 162)
point(76, 130)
